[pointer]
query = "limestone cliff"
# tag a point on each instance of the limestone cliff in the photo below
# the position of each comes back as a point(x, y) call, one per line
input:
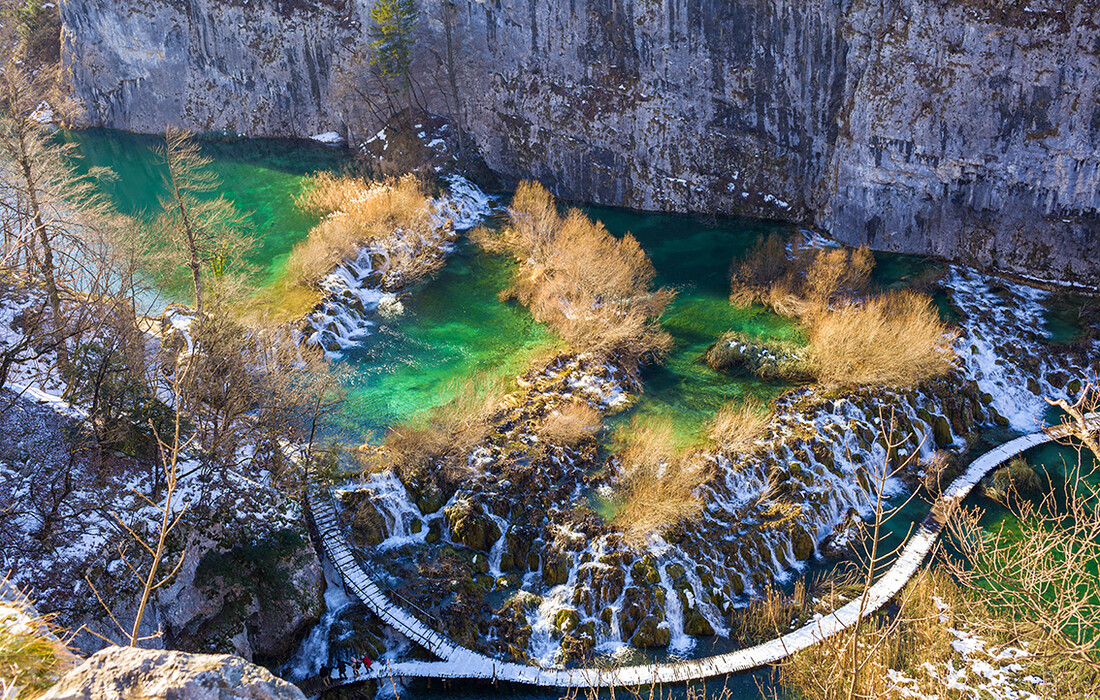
point(965, 128)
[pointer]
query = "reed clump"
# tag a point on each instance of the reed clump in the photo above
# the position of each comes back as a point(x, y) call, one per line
point(772, 613)
point(738, 426)
point(595, 290)
point(865, 664)
point(657, 487)
point(570, 424)
point(856, 338)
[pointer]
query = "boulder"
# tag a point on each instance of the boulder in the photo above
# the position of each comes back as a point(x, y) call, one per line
point(470, 526)
point(696, 625)
point(941, 432)
point(555, 570)
point(650, 633)
point(127, 673)
point(802, 543)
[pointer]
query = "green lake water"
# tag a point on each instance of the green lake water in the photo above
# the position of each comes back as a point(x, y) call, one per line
point(260, 176)
point(454, 326)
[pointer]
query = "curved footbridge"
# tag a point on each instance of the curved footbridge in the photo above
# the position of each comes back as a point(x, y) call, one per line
point(460, 662)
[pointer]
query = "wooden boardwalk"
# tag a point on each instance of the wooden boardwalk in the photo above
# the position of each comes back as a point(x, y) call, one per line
point(460, 662)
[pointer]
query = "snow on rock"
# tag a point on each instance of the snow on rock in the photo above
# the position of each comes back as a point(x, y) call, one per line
point(330, 138)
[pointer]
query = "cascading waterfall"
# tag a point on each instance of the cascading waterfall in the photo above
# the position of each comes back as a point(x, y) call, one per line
point(353, 292)
point(679, 642)
point(313, 653)
point(998, 334)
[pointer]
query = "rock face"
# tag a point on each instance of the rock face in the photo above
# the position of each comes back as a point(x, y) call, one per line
point(212, 65)
point(123, 673)
point(965, 128)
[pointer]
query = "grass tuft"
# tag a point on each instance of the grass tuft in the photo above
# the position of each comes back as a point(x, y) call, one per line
point(657, 488)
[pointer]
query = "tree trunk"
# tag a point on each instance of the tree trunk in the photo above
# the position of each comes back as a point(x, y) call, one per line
point(53, 295)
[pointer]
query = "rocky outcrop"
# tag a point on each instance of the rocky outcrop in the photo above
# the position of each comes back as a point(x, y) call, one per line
point(126, 673)
point(964, 128)
point(212, 65)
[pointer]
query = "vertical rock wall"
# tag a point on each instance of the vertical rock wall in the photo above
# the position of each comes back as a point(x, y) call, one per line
point(964, 128)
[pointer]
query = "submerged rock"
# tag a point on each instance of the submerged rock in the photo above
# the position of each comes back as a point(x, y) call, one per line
point(767, 360)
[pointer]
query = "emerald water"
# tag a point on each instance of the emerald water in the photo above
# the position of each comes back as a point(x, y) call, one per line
point(454, 327)
point(260, 176)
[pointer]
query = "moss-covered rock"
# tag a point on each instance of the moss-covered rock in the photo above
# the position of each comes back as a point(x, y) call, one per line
point(941, 432)
point(555, 569)
point(651, 633)
point(470, 526)
point(566, 620)
point(802, 543)
point(696, 625)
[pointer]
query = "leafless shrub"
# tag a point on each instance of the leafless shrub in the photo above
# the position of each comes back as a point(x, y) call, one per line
point(592, 288)
point(895, 339)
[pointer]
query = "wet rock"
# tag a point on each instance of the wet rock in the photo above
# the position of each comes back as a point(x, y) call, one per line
point(430, 499)
point(566, 620)
point(802, 543)
point(555, 569)
point(368, 528)
point(651, 633)
point(435, 531)
point(470, 526)
point(696, 625)
point(941, 432)
point(645, 571)
point(839, 542)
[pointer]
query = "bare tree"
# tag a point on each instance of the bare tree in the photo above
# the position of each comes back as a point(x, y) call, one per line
point(48, 207)
point(1077, 417)
point(150, 575)
point(197, 232)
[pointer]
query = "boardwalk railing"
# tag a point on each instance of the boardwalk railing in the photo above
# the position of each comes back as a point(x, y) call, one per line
point(460, 662)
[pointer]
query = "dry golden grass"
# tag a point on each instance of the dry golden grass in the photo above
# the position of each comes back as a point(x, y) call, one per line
point(30, 661)
point(356, 213)
point(657, 487)
point(772, 613)
point(916, 635)
point(570, 424)
point(594, 289)
point(450, 430)
point(738, 425)
point(893, 339)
